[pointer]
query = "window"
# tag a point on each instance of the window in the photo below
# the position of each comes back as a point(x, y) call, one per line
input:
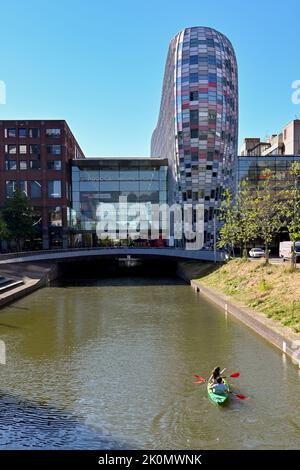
point(53, 133)
point(54, 189)
point(22, 149)
point(35, 189)
point(23, 186)
point(53, 149)
point(34, 132)
point(194, 116)
point(10, 187)
point(54, 165)
point(22, 133)
point(23, 165)
point(34, 149)
point(193, 77)
point(194, 133)
point(194, 95)
point(193, 59)
point(55, 217)
point(35, 164)
point(10, 164)
point(11, 149)
point(10, 133)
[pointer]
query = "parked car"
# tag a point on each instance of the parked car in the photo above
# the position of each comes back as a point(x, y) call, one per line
point(256, 253)
point(285, 250)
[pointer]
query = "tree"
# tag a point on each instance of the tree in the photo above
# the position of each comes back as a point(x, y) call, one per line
point(18, 217)
point(247, 223)
point(228, 234)
point(292, 204)
point(268, 210)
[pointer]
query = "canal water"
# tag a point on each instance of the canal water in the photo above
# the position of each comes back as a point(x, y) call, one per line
point(110, 364)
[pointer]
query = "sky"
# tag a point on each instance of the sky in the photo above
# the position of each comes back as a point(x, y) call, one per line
point(99, 64)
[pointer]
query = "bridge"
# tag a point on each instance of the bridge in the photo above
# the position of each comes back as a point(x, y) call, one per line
point(77, 254)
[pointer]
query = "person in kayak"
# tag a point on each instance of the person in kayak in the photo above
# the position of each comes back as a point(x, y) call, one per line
point(220, 387)
point(215, 374)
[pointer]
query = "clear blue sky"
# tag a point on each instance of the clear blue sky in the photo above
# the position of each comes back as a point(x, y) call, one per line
point(99, 64)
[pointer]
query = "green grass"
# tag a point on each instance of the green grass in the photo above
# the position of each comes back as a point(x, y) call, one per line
point(270, 289)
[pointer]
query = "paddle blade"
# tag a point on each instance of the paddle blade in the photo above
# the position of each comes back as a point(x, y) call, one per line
point(241, 397)
point(200, 377)
point(235, 374)
point(200, 381)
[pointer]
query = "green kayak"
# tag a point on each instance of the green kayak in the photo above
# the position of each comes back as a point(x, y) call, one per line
point(217, 397)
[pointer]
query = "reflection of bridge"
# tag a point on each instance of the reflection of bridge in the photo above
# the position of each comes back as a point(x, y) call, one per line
point(115, 252)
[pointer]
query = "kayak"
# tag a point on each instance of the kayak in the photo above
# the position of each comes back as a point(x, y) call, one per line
point(217, 398)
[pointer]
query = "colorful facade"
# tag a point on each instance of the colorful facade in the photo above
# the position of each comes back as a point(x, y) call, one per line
point(197, 128)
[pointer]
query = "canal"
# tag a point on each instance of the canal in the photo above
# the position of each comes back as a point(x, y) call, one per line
point(109, 363)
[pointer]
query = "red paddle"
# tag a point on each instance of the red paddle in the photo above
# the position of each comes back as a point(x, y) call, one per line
point(203, 379)
point(240, 396)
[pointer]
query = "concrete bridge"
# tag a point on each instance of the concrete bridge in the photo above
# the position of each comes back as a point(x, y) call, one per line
point(78, 254)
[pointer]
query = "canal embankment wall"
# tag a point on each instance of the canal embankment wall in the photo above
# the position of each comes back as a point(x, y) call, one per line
point(32, 277)
point(279, 336)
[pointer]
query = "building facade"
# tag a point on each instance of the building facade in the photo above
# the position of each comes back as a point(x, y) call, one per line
point(197, 128)
point(287, 142)
point(35, 158)
point(253, 170)
point(136, 184)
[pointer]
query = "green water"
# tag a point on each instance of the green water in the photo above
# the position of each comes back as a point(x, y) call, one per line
point(110, 364)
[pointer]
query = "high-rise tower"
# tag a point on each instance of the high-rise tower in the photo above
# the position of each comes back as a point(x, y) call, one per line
point(197, 129)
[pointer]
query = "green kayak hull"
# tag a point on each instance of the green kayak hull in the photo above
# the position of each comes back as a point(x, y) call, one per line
point(217, 397)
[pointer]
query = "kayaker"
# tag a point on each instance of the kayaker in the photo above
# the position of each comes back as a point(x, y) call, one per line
point(220, 388)
point(215, 374)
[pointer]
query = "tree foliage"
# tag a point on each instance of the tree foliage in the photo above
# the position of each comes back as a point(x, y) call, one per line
point(18, 217)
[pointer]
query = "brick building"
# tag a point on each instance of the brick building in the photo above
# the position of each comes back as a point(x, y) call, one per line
point(35, 157)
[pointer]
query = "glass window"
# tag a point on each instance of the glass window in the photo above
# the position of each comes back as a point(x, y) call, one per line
point(10, 187)
point(10, 164)
point(54, 189)
point(53, 149)
point(35, 164)
point(22, 133)
point(193, 77)
point(54, 165)
point(109, 186)
point(10, 132)
point(129, 186)
point(22, 149)
point(23, 165)
point(194, 133)
point(34, 132)
point(35, 189)
point(194, 116)
point(23, 186)
point(194, 95)
point(89, 186)
point(53, 133)
point(11, 149)
point(193, 59)
point(34, 149)
point(55, 217)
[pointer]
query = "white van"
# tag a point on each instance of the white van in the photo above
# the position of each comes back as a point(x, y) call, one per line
point(285, 250)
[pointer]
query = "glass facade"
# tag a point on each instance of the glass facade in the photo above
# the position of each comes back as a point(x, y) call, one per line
point(142, 181)
point(253, 170)
point(197, 128)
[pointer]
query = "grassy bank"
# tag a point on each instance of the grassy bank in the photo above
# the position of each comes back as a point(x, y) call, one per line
point(272, 290)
